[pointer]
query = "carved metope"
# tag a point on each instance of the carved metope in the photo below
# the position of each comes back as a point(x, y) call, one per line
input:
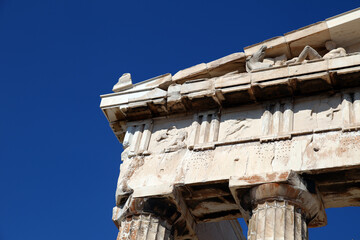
point(351, 109)
point(137, 137)
point(277, 119)
point(205, 128)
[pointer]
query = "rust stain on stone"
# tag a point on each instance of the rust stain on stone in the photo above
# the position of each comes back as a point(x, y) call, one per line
point(346, 143)
point(253, 179)
point(132, 206)
point(284, 175)
point(271, 176)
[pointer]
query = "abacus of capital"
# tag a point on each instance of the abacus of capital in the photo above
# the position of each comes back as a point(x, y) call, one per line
point(271, 135)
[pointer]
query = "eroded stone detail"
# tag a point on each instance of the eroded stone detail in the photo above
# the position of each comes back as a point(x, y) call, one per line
point(184, 164)
point(205, 128)
point(277, 220)
point(124, 82)
point(137, 137)
point(256, 61)
point(351, 110)
point(277, 119)
point(144, 227)
point(311, 54)
point(237, 127)
point(173, 138)
point(127, 170)
point(307, 53)
point(283, 210)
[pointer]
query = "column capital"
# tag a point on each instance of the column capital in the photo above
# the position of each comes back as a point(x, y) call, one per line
point(169, 209)
point(159, 207)
point(296, 191)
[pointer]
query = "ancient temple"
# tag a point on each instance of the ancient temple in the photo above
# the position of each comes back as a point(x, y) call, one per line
point(271, 135)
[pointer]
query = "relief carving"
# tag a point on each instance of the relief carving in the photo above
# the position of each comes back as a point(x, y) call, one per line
point(173, 138)
point(333, 51)
point(318, 114)
point(237, 127)
point(327, 113)
point(311, 54)
point(241, 125)
point(256, 60)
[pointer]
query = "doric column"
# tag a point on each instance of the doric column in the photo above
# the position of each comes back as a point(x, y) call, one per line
point(143, 219)
point(277, 220)
point(282, 211)
point(144, 227)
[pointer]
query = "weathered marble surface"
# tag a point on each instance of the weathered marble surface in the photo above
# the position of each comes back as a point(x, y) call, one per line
point(307, 135)
point(195, 143)
point(144, 227)
point(124, 82)
point(277, 220)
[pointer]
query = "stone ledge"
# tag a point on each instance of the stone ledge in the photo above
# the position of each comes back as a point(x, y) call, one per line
point(235, 89)
point(334, 28)
point(215, 68)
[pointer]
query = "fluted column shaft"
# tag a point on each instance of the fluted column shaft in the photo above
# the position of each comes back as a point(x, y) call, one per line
point(143, 227)
point(277, 220)
point(283, 211)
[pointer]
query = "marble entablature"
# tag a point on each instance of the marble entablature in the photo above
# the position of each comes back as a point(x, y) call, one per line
point(265, 137)
point(200, 140)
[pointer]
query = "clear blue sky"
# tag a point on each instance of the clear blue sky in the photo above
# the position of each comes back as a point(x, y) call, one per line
point(59, 158)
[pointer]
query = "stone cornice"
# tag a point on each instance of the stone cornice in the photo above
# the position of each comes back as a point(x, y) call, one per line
point(233, 89)
point(224, 82)
point(340, 29)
